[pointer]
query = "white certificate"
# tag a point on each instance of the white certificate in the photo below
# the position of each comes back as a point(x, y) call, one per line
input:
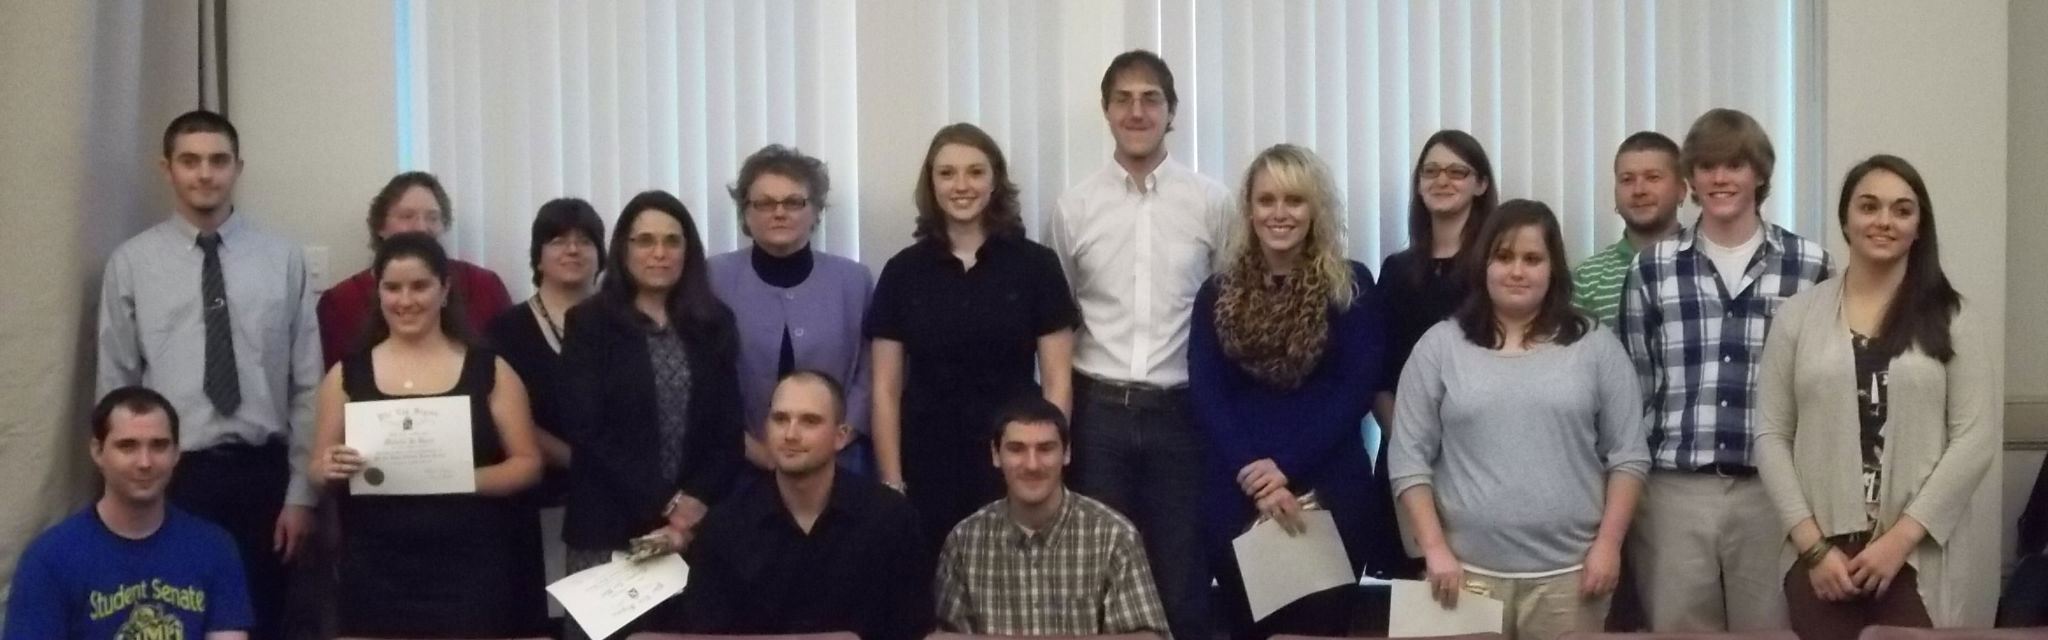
point(607, 597)
point(413, 446)
point(1413, 613)
point(1279, 569)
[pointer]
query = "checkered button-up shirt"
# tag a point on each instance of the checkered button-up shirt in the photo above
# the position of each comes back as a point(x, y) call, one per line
point(1696, 341)
point(1085, 574)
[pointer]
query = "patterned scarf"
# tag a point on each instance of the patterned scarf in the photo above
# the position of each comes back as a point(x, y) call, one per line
point(1276, 328)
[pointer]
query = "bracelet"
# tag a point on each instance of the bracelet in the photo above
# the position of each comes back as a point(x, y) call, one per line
point(1812, 557)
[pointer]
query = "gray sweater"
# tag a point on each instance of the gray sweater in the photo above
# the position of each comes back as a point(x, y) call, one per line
point(1517, 446)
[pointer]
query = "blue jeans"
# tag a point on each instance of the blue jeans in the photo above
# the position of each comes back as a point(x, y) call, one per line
point(1146, 461)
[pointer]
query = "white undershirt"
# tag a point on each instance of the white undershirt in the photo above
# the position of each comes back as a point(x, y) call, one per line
point(1732, 262)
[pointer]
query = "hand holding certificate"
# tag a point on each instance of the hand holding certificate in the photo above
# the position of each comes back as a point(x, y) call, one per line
point(1413, 613)
point(1279, 568)
point(607, 597)
point(411, 446)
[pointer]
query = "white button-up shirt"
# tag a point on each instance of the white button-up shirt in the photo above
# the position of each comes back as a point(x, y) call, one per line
point(1135, 252)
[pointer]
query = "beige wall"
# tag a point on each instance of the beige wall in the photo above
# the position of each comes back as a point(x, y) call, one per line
point(2027, 189)
point(313, 94)
point(2026, 263)
point(88, 88)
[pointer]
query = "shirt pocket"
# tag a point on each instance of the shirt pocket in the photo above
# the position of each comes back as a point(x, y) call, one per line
point(262, 314)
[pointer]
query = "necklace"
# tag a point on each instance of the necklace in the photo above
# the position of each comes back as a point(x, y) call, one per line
point(542, 307)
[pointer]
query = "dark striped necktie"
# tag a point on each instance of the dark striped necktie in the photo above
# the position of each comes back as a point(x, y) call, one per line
point(223, 384)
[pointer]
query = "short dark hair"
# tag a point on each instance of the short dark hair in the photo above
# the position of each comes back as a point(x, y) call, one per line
point(201, 121)
point(787, 162)
point(137, 400)
point(1028, 409)
point(380, 206)
point(1652, 141)
point(559, 217)
point(1140, 59)
point(838, 391)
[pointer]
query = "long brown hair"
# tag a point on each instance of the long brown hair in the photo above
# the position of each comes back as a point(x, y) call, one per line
point(1556, 321)
point(1001, 218)
point(1925, 305)
point(1421, 233)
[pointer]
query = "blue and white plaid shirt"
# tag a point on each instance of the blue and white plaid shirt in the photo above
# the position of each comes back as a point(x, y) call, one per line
point(1696, 346)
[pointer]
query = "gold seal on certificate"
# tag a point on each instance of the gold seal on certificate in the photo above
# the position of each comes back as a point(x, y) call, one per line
point(412, 446)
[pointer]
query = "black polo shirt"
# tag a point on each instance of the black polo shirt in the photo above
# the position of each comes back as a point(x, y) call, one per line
point(861, 567)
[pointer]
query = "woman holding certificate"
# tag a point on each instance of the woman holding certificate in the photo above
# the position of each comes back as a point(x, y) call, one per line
point(1282, 363)
point(1519, 447)
point(650, 393)
point(420, 555)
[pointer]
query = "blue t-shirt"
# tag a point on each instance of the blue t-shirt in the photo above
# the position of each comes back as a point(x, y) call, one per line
point(80, 580)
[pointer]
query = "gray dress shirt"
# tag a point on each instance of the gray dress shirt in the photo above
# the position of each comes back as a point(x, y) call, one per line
point(152, 332)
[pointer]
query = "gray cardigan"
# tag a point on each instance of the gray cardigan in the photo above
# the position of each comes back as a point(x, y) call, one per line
point(1942, 438)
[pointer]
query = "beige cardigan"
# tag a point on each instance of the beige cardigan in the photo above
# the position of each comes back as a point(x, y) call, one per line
point(1940, 460)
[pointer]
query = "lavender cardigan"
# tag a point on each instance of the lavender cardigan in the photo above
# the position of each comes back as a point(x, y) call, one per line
point(824, 316)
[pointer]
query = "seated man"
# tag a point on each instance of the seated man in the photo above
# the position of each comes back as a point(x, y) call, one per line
point(809, 550)
point(129, 566)
point(1044, 561)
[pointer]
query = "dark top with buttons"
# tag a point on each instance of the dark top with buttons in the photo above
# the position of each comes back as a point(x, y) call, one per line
point(970, 344)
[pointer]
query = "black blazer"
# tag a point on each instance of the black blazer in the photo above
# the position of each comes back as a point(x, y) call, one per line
point(616, 491)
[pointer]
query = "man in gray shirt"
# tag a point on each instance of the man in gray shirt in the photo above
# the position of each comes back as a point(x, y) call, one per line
point(217, 315)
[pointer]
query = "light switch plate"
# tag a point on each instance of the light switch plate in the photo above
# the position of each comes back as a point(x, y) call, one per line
point(317, 267)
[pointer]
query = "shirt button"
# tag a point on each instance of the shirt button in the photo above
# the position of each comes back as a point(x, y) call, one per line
point(798, 333)
point(1724, 404)
point(789, 295)
point(1725, 359)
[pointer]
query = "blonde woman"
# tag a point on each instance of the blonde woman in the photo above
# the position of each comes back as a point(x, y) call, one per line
point(1283, 361)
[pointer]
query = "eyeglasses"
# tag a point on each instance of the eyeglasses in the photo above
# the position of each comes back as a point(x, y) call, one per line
point(571, 241)
point(1454, 171)
point(792, 203)
point(648, 241)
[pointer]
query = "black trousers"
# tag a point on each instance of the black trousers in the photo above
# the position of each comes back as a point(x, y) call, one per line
point(242, 489)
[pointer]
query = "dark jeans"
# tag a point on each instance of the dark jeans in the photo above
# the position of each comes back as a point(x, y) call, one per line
point(1817, 619)
point(242, 488)
point(1145, 459)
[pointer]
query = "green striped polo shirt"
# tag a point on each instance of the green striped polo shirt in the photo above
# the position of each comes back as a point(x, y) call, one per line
point(1597, 282)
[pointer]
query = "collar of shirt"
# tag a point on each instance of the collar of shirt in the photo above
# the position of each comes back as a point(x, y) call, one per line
point(844, 501)
point(229, 229)
point(942, 252)
point(1166, 170)
point(1026, 538)
point(1774, 240)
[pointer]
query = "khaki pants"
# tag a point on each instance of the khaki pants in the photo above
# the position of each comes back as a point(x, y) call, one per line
point(1709, 555)
point(1543, 608)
